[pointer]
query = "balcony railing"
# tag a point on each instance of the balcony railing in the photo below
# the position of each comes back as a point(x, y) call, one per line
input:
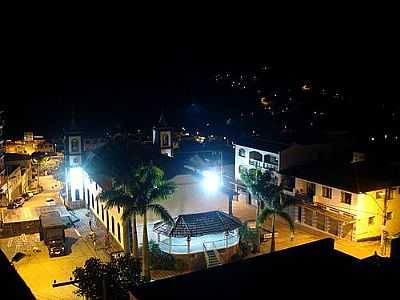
point(306, 198)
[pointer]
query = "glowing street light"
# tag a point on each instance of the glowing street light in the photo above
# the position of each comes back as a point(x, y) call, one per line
point(211, 181)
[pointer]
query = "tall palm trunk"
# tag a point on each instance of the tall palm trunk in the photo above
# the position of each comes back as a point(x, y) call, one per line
point(145, 250)
point(273, 234)
point(134, 238)
point(258, 235)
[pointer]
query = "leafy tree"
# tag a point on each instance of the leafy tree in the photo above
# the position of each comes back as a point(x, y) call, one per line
point(41, 162)
point(113, 278)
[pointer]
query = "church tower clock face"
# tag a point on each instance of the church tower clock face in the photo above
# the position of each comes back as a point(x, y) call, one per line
point(75, 144)
point(165, 139)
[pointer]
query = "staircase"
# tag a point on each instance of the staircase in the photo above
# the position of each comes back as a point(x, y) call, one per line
point(212, 256)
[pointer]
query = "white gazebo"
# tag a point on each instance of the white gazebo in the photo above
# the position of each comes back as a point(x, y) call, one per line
point(194, 233)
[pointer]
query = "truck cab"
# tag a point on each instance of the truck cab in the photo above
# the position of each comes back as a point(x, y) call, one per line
point(56, 248)
point(52, 233)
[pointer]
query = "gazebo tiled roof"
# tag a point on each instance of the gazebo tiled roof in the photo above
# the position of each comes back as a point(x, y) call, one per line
point(199, 224)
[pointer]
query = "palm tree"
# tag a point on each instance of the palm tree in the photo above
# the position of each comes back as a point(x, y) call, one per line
point(275, 203)
point(256, 181)
point(121, 196)
point(144, 188)
point(149, 187)
point(41, 161)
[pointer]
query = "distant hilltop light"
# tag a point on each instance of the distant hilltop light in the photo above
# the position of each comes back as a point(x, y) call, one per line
point(372, 139)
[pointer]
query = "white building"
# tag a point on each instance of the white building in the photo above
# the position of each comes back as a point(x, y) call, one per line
point(347, 200)
point(265, 155)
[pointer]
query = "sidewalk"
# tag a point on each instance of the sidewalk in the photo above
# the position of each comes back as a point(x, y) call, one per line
point(99, 246)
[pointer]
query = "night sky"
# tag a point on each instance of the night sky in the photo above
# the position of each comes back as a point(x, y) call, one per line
point(124, 80)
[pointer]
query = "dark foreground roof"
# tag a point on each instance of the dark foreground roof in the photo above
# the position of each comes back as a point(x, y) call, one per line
point(357, 177)
point(199, 224)
point(310, 271)
point(12, 285)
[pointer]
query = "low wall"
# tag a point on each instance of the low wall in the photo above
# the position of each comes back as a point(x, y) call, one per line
point(196, 261)
point(18, 228)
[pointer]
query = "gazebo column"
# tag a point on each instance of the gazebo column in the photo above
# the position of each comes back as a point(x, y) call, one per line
point(226, 239)
point(158, 238)
point(188, 244)
point(169, 245)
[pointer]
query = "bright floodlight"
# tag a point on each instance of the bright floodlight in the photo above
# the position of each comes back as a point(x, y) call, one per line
point(210, 181)
point(76, 177)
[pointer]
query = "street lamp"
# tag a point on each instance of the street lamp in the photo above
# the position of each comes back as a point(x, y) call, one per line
point(211, 181)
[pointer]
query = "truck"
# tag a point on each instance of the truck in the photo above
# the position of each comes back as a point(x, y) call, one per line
point(52, 233)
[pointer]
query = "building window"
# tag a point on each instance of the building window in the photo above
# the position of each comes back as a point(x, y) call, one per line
point(119, 232)
point(92, 201)
point(391, 193)
point(97, 206)
point(346, 198)
point(242, 152)
point(77, 195)
point(118, 208)
point(379, 195)
point(96, 186)
point(112, 225)
point(102, 213)
point(389, 216)
point(326, 192)
point(371, 220)
point(256, 155)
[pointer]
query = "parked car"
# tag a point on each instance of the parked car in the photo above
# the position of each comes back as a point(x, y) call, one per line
point(19, 201)
point(27, 195)
point(16, 203)
point(50, 201)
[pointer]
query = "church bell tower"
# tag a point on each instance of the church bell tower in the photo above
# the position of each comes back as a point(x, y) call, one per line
point(73, 156)
point(162, 136)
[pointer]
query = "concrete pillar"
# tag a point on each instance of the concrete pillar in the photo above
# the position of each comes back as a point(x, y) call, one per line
point(314, 218)
point(327, 224)
point(188, 244)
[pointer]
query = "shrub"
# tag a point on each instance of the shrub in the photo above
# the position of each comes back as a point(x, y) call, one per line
point(181, 265)
point(160, 260)
point(235, 257)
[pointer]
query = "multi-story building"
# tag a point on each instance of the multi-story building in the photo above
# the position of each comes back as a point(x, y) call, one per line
point(273, 156)
point(2, 163)
point(354, 201)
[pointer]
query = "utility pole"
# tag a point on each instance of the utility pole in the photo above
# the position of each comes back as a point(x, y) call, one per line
point(74, 283)
point(383, 230)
